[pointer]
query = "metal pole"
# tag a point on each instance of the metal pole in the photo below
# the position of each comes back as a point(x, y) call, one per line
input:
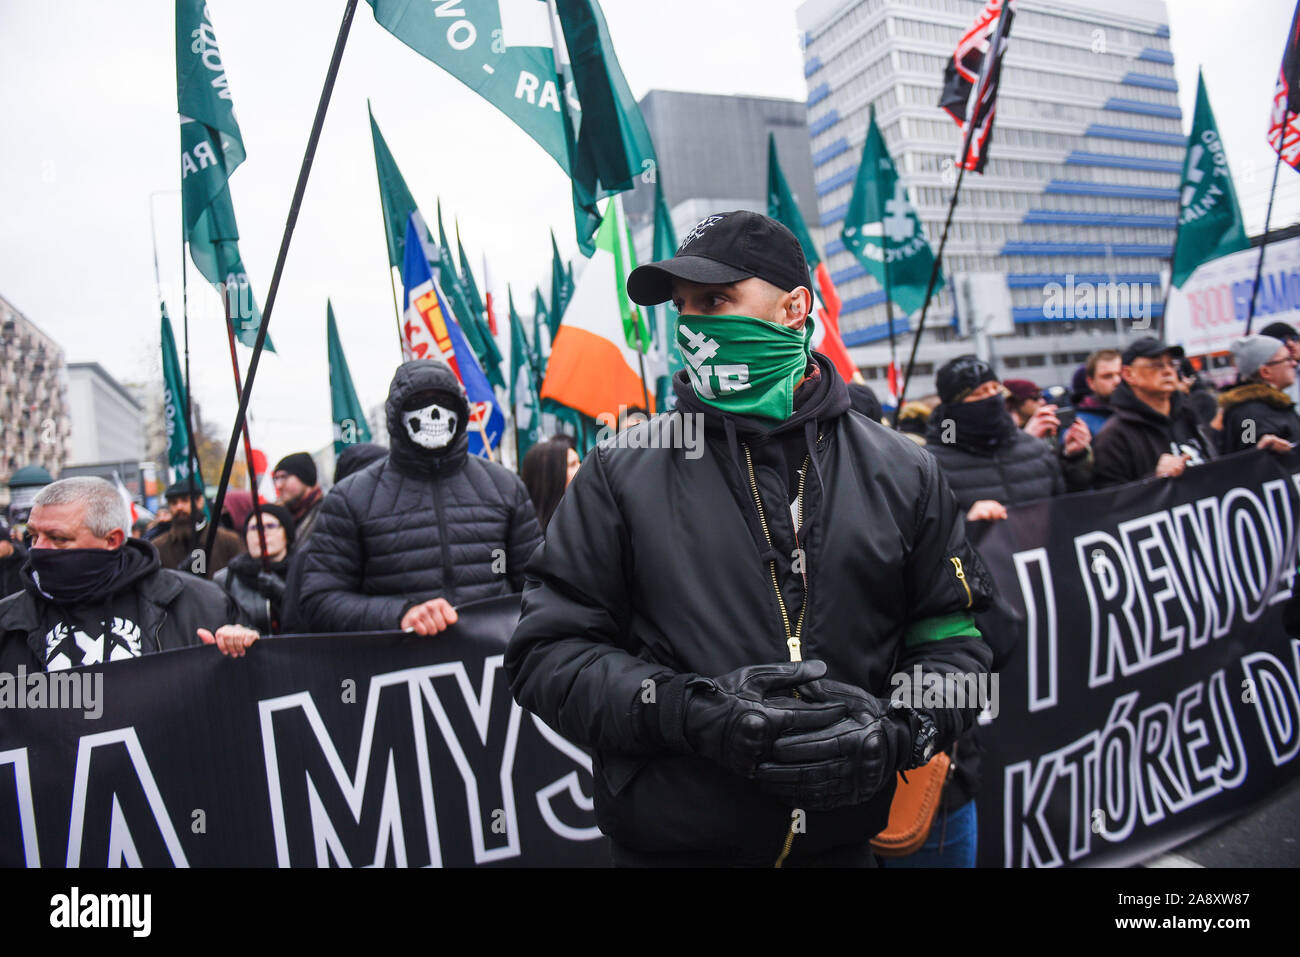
point(1268, 216)
point(294, 205)
point(952, 205)
point(189, 409)
point(248, 443)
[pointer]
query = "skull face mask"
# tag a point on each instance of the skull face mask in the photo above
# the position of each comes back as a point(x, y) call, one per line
point(431, 426)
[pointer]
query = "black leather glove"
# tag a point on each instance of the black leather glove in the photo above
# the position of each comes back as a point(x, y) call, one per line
point(270, 585)
point(733, 720)
point(843, 764)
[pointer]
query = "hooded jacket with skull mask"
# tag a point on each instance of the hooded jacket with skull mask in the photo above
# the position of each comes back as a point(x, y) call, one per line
point(427, 521)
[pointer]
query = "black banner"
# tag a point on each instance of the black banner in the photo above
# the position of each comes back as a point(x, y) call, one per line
point(1153, 691)
point(311, 750)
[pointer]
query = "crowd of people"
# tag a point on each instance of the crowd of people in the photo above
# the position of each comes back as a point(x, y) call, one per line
point(658, 589)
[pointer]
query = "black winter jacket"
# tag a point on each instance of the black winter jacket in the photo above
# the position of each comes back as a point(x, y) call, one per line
point(417, 525)
point(171, 607)
point(10, 580)
point(1268, 410)
point(260, 601)
point(1127, 449)
point(1019, 469)
point(657, 562)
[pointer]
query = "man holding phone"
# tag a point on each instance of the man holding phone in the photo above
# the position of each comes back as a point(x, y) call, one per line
point(1064, 432)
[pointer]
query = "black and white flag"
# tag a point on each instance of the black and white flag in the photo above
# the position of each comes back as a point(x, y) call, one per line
point(970, 80)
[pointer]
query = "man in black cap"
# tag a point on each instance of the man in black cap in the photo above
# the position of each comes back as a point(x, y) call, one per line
point(1154, 430)
point(182, 545)
point(403, 541)
point(687, 613)
point(296, 490)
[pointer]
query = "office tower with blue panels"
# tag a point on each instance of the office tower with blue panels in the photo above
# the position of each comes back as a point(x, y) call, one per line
point(1077, 204)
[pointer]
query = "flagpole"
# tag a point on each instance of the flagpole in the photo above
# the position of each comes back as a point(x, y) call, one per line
point(952, 205)
point(889, 310)
point(294, 205)
point(248, 444)
point(189, 390)
point(1268, 216)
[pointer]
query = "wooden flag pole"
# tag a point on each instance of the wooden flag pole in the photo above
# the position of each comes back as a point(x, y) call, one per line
point(295, 204)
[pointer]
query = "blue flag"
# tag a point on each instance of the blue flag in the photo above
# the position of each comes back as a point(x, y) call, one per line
point(431, 332)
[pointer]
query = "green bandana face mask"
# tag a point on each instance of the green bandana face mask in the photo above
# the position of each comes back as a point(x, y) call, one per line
point(744, 365)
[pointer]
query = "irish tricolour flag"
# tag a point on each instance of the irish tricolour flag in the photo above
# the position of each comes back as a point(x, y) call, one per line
point(594, 365)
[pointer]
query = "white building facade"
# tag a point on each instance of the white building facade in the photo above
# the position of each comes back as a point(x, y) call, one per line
point(1080, 191)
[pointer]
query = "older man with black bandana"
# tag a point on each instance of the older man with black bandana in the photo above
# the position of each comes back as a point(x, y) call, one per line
point(402, 542)
point(91, 594)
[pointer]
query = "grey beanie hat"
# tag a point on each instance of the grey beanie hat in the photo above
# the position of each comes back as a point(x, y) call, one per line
point(1251, 352)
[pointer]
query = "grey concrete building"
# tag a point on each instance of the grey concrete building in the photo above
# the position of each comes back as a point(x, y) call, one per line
point(108, 422)
point(713, 156)
point(33, 397)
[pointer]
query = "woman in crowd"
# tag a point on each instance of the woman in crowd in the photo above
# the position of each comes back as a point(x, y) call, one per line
point(259, 592)
point(547, 470)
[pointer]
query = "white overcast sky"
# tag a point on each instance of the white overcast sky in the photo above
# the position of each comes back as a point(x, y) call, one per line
point(88, 110)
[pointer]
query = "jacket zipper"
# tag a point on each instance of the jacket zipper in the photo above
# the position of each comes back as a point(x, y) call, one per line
point(961, 577)
point(157, 632)
point(791, 640)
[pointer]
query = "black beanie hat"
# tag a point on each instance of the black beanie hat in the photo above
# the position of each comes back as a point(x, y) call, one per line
point(281, 513)
point(299, 464)
point(958, 378)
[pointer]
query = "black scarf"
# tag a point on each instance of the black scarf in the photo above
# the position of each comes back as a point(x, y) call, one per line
point(980, 427)
point(79, 575)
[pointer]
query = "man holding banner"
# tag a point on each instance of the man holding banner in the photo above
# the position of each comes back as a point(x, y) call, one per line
point(91, 594)
point(403, 541)
point(689, 605)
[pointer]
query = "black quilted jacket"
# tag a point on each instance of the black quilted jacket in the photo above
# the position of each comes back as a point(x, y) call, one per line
point(1021, 468)
point(416, 525)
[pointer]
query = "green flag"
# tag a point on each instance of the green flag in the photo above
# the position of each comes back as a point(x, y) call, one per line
point(665, 316)
point(467, 277)
point(882, 226)
point(345, 408)
point(505, 52)
point(611, 148)
point(394, 197)
point(782, 207)
point(561, 287)
point(178, 432)
point(524, 403)
point(502, 51)
point(211, 149)
point(1209, 219)
point(541, 319)
point(475, 329)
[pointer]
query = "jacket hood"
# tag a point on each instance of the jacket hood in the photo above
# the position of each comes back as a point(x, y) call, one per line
point(436, 378)
point(1132, 409)
point(1256, 392)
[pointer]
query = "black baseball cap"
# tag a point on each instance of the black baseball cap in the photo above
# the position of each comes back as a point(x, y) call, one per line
point(1280, 330)
point(722, 249)
point(1149, 347)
